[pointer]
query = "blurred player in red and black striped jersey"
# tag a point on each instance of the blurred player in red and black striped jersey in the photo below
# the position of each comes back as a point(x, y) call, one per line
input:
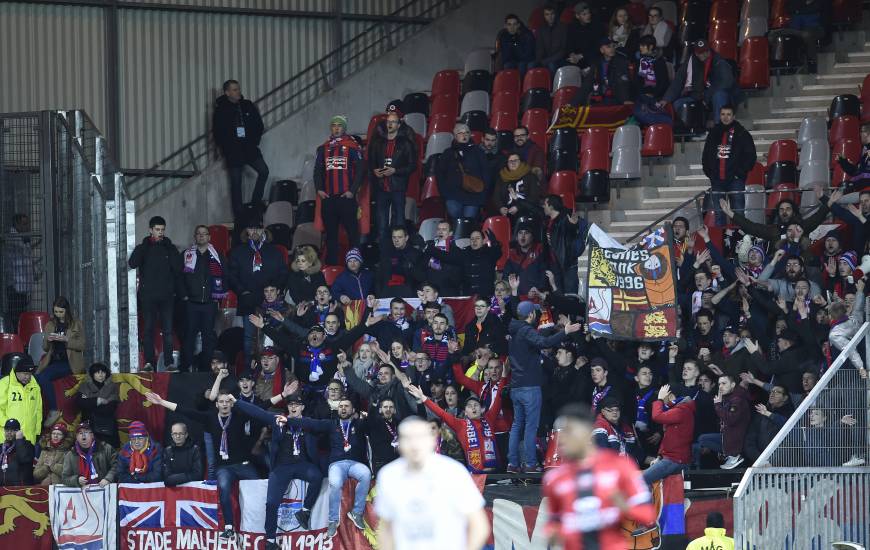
point(593, 491)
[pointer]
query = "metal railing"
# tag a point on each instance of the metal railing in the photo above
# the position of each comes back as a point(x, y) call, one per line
point(289, 97)
point(806, 490)
point(93, 230)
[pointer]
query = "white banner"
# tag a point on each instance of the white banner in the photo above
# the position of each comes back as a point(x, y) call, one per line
point(83, 519)
point(252, 503)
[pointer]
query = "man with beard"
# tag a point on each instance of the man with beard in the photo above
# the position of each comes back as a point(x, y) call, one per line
point(219, 380)
point(474, 432)
point(767, 420)
point(386, 387)
point(294, 455)
point(228, 441)
point(437, 344)
point(382, 430)
point(397, 326)
point(347, 458)
point(728, 157)
point(732, 358)
point(794, 271)
point(786, 212)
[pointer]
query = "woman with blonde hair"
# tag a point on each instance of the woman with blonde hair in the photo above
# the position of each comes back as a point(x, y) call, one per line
point(305, 275)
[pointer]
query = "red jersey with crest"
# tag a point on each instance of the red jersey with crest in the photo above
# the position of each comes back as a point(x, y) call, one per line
point(579, 497)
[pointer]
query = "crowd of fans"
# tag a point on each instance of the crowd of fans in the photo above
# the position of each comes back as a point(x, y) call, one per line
point(318, 396)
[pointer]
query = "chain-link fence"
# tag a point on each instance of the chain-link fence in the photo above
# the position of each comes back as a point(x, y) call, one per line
point(65, 219)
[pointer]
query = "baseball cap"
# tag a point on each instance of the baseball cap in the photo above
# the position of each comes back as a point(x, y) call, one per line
point(295, 398)
point(732, 328)
point(701, 47)
point(12, 424)
point(526, 308)
point(268, 350)
point(247, 374)
point(580, 7)
point(20, 362)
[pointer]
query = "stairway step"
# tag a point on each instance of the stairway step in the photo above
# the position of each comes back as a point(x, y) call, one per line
point(805, 110)
point(859, 65)
point(774, 132)
point(857, 76)
point(835, 89)
point(859, 55)
point(666, 202)
point(785, 121)
point(687, 190)
point(653, 213)
point(631, 225)
point(807, 98)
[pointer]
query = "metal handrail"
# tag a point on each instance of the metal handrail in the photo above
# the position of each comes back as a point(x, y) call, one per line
point(801, 410)
point(190, 149)
point(667, 216)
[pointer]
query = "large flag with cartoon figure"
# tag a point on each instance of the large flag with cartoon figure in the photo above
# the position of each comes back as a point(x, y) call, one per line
point(631, 292)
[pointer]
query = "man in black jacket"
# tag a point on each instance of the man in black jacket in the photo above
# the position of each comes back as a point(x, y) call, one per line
point(182, 461)
point(203, 285)
point(608, 82)
point(583, 37)
point(252, 264)
point(484, 330)
point(398, 264)
point(477, 263)
point(237, 129)
point(392, 158)
point(444, 275)
point(711, 80)
point(565, 235)
point(729, 155)
point(159, 265)
point(382, 430)
point(552, 41)
point(387, 386)
point(16, 456)
point(767, 420)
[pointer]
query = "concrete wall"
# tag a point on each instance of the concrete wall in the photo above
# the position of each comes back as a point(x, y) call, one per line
point(205, 198)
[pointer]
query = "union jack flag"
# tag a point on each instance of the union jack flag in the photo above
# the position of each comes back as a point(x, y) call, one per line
point(151, 505)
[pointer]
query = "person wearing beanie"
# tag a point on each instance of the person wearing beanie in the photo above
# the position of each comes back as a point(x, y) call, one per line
point(392, 159)
point(338, 174)
point(98, 397)
point(49, 466)
point(704, 77)
point(20, 396)
point(159, 265)
point(729, 155)
point(88, 462)
point(237, 128)
point(714, 535)
point(16, 456)
point(355, 282)
point(141, 459)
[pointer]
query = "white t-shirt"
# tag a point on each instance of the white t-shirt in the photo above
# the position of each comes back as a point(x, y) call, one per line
point(428, 509)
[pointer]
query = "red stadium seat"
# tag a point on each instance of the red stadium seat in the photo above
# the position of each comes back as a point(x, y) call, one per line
point(373, 123)
point(446, 83)
point(503, 120)
point(538, 77)
point(563, 96)
point(476, 136)
point(432, 208)
point(536, 120)
point(284, 252)
point(595, 139)
point(849, 148)
point(506, 80)
point(220, 238)
point(31, 322)
point(441, 123)
point(445, 104)
point(10, 343)
point(658, 141)
point(564, 184)
point(844, 127)
point(331, 272)
point(536, 18)
point(231, 301)
point(501, 226)
point(782, 192)
point(726, 47)
point(724, 11)
point(782, 150)
point(637, 13)
point(506, 100)
point(430, 189)
point(567, 14)
point(757, 175)
point(845, 12)
point(754, 63)
point(779, 16)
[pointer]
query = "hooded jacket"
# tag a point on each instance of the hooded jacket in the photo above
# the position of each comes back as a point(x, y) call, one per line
point(238, 147)
point(729, 149)
point(23, 403)
point(49, 466)
point(159, 265)
point(403, 159)
point(477, 267)
point(524, 353)
point(355, 286)
point(714, 538)
point(678, 422)
point(101, 417)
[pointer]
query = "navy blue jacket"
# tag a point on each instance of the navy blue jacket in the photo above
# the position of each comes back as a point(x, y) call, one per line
point(449, 176)
point(524, 352)
point(268, 419)
point(516, 48)
point(355, 286)
point(332, 427)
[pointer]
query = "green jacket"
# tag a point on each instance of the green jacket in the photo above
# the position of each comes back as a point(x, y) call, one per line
point(714, 539)
point(104, 461)
point(23, 403)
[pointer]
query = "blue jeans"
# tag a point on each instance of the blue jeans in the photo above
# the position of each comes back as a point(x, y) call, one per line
point(208, 442)
point(200, 320)
point(390, 205)
point(456, 209)
point(527, 416)
point(663, 468)
point(226, 476)
point(737, 200)
point(338, 474)
point(279, 479)
point(707, 441)
point(52, 372)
